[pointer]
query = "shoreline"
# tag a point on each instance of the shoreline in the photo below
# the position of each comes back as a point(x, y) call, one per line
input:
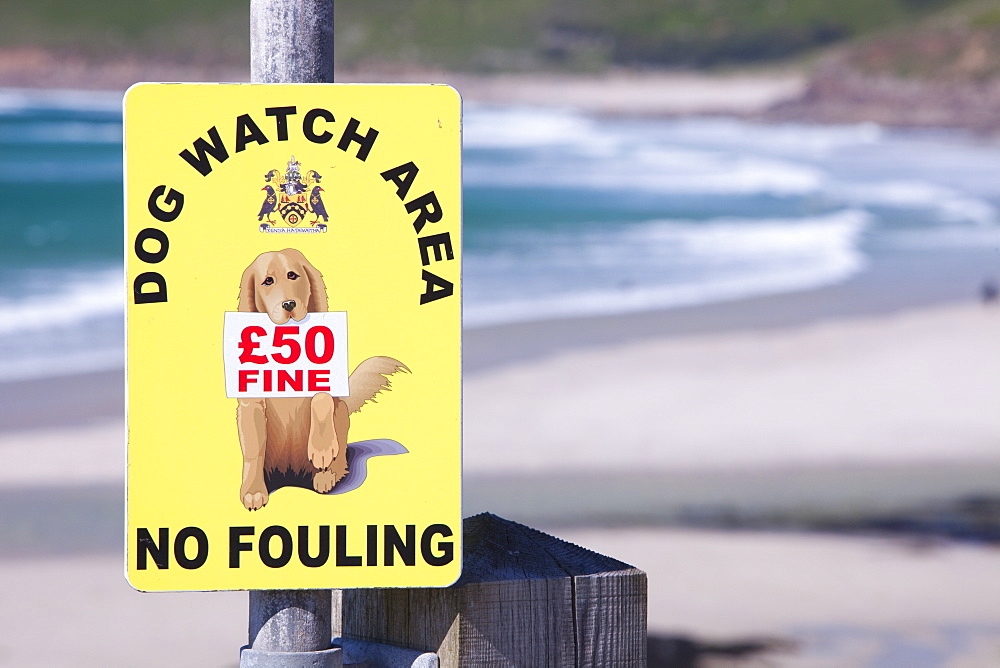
point(732, 415)
point(614, 92)
point(825, 94)
point(874, 292)
point(696, 397)
point(96, 397)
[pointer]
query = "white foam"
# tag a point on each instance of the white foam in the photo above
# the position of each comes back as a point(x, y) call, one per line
point(764, 238)
point(716, 173)
point(789, 139)
point(635, 156)
point(659, 169)
point(72, 297)
point(950, 205)
point(525, 127)
point(728, 258)
point(63, 323)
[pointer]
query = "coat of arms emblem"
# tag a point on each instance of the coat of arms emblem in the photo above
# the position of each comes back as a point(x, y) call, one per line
point(293, 197)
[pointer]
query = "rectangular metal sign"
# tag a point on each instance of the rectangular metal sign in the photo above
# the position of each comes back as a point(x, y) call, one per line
point(266, 225)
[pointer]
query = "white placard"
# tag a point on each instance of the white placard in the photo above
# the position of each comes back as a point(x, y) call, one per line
point(299, 358)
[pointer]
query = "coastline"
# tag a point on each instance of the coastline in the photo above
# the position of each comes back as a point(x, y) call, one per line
point(99, 396)
point(858, 408)
point(620, 92)
point(503, 360)
point(784, 95)
point(827, 93)
point(615, 92)
point(877, 291)
point(715, 413)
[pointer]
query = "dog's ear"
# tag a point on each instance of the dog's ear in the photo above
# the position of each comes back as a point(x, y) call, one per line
point(248, 290)
point(317, 288)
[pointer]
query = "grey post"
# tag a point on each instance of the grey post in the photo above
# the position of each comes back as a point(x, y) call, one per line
point(291, 41)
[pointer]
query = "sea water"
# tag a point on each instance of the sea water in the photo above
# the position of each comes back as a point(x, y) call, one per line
point(565, 214)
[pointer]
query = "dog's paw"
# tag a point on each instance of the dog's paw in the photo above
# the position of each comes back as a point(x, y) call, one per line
point(255, 501)
point(325, 480)
point(321, 457)
point(254, 496)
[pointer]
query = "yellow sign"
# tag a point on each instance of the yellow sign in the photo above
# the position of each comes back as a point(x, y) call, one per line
point(294, 365)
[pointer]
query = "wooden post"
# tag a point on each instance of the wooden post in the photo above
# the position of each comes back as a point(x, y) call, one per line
point(291, 41)
point(524, 599)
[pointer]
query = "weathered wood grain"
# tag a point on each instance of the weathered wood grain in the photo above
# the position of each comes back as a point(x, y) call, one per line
point(524, 599)
point(611, 618)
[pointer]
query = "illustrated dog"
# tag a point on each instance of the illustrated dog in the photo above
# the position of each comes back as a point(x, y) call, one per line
point(297, 441)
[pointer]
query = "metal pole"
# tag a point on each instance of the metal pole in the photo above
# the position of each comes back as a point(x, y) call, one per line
point(291, 41)
point(290, 620)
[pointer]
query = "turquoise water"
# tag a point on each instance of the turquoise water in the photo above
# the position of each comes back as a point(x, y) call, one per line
point(565, 215)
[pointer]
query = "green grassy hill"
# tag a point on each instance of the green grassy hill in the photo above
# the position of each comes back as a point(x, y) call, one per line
point(472, 35)
point(589, 34)
point(959, 44)
point(943, 70)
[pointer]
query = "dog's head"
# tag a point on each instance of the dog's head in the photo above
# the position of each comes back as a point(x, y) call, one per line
point(282, 284)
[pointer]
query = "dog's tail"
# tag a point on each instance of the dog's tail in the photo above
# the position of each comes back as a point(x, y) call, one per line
point(370, 378)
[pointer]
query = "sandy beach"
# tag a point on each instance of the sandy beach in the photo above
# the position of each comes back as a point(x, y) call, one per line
point(815, 601)
point(613, 92)
point(913, 387)
point(827, 415)
point(621, 92)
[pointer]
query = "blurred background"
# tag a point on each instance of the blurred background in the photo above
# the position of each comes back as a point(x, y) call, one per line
point(731, 276)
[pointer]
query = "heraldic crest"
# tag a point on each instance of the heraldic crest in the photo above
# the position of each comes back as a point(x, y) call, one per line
point(293, 197)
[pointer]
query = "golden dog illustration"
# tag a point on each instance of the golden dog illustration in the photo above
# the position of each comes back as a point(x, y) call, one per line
point(297, 441)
